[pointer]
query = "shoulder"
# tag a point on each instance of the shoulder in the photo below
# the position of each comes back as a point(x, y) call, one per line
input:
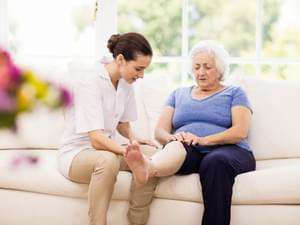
point(178, 95)
point(235, 90)
point(182, 91)
point(239, 97)
point(93, 76)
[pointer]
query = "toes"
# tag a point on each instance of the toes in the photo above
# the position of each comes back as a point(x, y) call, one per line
point(129, 147)
point(135, 144)
point(136, 147)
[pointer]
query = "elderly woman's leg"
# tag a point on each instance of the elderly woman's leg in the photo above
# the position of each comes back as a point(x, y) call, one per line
point(164, 163)
point(217, 171)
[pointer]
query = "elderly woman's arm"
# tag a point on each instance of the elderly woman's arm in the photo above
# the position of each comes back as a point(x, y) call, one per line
point(164, 126)
point(241, 117)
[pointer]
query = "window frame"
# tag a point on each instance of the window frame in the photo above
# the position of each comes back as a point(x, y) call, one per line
point(106, 24)
point(258, 61)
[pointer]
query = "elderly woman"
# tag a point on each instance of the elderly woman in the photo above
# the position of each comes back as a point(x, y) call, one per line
point(204, 130)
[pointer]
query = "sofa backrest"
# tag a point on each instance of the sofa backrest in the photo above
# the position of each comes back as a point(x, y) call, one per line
point(151, 95)
point(43, 128)
point(274, 133)
point(275, 125)
point(39, 129)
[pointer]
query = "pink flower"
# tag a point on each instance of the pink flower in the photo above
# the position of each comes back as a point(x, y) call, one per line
point(7, 102)
point(66, 96)
point(22, 90)
point(9, 74)
point(23, 160)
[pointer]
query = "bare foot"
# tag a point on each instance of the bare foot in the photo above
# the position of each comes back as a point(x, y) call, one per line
point(137, 163)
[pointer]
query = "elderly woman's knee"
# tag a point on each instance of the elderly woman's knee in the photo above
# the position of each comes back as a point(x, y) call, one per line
point(215, 160)
point(176, 145)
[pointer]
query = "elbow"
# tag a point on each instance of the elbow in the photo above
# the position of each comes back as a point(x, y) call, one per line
point(244, 133)
point(241, 135)
point(244, 136)
point(95, 142)
point(240, 132)
point(238, 135)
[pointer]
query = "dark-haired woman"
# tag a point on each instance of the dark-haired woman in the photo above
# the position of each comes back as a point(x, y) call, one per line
point(104, 103)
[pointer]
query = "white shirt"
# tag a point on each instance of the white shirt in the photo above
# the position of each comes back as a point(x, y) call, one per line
point(96, 105)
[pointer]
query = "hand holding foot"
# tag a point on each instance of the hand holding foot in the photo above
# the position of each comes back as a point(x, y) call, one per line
point(137, 162)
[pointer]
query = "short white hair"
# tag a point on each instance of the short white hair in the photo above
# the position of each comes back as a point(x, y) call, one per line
point(217, 51)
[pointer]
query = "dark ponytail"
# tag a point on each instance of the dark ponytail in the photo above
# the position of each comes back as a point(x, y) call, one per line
point(129, 45)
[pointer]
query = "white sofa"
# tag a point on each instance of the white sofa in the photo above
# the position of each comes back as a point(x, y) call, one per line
point(39, 195)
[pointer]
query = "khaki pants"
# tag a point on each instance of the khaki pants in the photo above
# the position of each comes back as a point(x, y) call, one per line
point(100, 168)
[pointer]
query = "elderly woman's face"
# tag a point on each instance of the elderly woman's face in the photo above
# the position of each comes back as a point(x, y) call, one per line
point(205, 72)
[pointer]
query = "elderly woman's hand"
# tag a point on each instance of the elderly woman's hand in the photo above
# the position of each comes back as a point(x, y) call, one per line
point(171, 138)
point(179, 136)
point(192, 139)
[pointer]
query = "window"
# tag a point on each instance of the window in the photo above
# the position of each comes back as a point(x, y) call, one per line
point(49, 32)
point(261, 36)
point(54, 28)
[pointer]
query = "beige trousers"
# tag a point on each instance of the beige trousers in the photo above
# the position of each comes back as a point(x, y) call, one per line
point(100, 168)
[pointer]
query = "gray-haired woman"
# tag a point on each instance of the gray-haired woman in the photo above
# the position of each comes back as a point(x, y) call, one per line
point(204, 130)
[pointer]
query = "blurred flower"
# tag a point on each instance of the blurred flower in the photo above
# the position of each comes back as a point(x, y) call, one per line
point(22, 90)
point(21, 160)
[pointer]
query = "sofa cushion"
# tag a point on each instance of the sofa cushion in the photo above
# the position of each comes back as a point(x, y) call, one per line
point(44, 177)
point(275, 181)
